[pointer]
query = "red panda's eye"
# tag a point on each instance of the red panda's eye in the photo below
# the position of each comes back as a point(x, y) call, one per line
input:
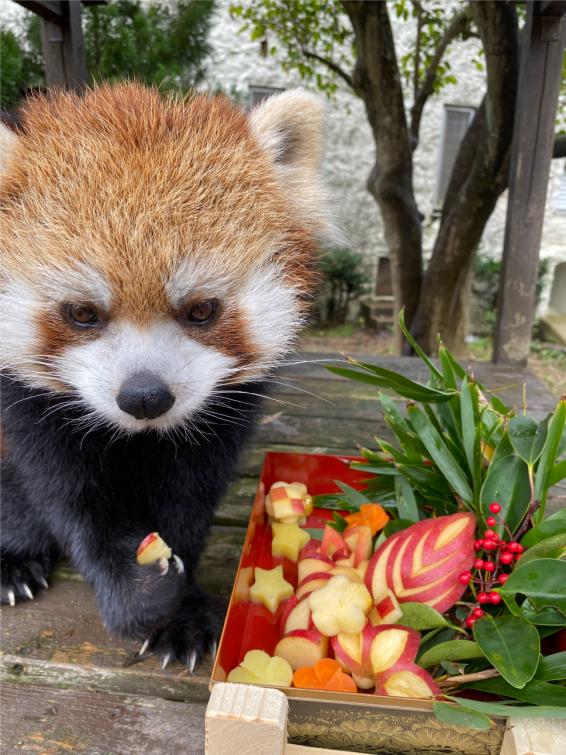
point(83, 315)
point(202, 312)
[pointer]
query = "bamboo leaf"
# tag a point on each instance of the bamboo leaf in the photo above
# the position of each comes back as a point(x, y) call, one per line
point(550, 450)
point(440, 453)
point(453, 650)
point(352, 495)
point(511, 645)
point(403, 385)
point(406, 502)
point(460, 715)
point(516, 711)
point(415, 346)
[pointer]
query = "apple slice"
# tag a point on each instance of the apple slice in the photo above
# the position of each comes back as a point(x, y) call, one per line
point(316, 562)
point(340, 606)
point(243, 584)
point(360, 542)
point(333, 544)
point(302, 647)
point(312, 583)
point(347, 649)
point(270, 588)
point(296, 615)
point(385, 646)
point(406, 680)
point(259, 668)
point(151, 549)
point(423, 562)
point(386, 610)
point(349, 572)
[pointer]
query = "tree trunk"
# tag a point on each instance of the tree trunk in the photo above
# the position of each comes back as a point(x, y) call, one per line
point(478, 179)
point(391, 179)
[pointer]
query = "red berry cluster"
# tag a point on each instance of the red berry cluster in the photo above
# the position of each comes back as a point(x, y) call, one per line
point(500, 553)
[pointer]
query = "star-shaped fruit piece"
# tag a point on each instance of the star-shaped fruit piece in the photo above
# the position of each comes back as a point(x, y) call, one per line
point(340, 606)
point(288, 502)
point(260, 668)
point(288, 540)
point(270, 588)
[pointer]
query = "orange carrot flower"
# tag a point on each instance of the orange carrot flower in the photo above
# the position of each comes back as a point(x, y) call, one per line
point(370, 515)
point(326, 674)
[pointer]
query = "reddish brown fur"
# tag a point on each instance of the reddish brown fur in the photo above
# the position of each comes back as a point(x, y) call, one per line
point(131, 182)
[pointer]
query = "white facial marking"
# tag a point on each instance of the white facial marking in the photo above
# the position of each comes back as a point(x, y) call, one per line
point(271, 310)
point(194, 278)
point(190, 370)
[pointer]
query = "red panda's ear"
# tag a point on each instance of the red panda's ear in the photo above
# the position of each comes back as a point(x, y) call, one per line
point(8, 144)
point(289, 127)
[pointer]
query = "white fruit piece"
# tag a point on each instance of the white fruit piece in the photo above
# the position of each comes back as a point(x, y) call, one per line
point(270, 588)
point(288, 540)
point(340, 606)
point(260, 668)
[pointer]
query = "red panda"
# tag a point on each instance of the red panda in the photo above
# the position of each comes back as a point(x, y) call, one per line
point(158, 255)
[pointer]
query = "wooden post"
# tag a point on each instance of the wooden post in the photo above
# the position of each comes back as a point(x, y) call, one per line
point(62, 42)
point(544, 37)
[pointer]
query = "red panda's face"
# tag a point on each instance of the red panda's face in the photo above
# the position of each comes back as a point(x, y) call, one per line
point(156, 251)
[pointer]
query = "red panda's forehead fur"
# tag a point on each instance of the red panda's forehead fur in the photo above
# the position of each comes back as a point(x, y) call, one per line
point(131, 183)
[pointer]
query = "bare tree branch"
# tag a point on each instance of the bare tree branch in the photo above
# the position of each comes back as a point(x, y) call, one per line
point(330, 64)
point(456, 27)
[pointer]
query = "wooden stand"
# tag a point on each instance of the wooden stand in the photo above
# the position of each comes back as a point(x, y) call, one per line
point(249, 720)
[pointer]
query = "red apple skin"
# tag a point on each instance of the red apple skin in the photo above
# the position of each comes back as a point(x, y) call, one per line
point(315, 562)
point(360, 541)
point(437, 584)
point(288, 609)
point(381, 679)
point(310, 549)
point(333, 544)
point(345, 659)
point(152, 537)
point(408, 654)
point(316, 649)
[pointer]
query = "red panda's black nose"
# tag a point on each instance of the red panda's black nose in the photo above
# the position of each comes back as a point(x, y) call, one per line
point(145, 396)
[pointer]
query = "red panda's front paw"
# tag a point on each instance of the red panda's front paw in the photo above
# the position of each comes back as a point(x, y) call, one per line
point(189, 636)
point(22, 578)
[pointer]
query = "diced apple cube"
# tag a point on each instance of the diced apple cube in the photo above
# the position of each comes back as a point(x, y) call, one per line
point(152, 549)
point(387, 610)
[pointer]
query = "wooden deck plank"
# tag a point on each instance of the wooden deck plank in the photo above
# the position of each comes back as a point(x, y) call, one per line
point(64, 722)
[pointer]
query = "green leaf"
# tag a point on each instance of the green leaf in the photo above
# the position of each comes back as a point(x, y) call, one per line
point(396, 525)
point(415, 346)
point(528, 437)
point(440, 453)
point(507, 482)
point(551, 547)
point(420, 616)
point(557, 473)
point(353, 496)
point(543, 582)
point(550, 450)
point(498, 709)
point(547, 617)
point(552, 667)
point(403, 385)
point(338, 523)
point(460, 715)
point(535, 692)
point(552, 525)
point(406, 502)
point(511, 645)
point(471, 432)
point(453, 650)
point(315, 533)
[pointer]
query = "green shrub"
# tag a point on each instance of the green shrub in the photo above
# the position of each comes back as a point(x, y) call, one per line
point(344, 282)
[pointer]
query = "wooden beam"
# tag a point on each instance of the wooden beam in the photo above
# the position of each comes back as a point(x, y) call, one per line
point(544, 38)
point(50, 9)
point(63, 48)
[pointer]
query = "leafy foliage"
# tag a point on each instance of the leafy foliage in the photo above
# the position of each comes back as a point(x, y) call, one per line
point(163, 44)
point(459, 446)
point(344, 282)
